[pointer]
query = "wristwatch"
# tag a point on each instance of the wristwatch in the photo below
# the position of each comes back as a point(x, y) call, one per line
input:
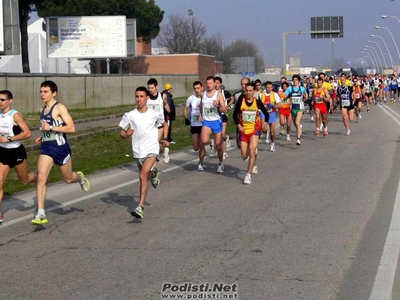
point(9, 138)
point(51, 128)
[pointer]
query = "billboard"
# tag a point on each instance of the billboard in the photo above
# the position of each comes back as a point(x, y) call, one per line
point(86, 37)
point(243, 64)
point(1, 27)
point(9, 28)
point(326, 24)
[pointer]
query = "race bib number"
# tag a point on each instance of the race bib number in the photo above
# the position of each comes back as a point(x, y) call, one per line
point(196, 118)
point(357, 96)
point(345, 102)
point(211, 112)
point(249, 116)
point(48, 136)
point(296, 100)
point(318, 100)
point(155, 107)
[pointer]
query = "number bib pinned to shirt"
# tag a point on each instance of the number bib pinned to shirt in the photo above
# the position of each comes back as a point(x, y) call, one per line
point(319, 100)
point(155, 107)
point(48, 136)
point(211, 111)
point(249, 116)
point(296, 100)
point(345, 100)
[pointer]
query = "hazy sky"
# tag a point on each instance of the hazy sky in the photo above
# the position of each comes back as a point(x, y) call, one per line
point(264, 21)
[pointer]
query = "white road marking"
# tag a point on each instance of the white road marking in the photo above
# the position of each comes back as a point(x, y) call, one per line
point(68, 203)
point(384, 279)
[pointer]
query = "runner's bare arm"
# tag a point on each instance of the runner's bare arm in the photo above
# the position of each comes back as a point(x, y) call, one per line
point(25, 131)
point(221, 102)
point(166, 105)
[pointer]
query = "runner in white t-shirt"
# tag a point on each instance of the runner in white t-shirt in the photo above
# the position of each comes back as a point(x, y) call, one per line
point(141, 125)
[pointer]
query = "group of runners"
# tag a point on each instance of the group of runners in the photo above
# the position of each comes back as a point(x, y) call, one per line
point(255, 110)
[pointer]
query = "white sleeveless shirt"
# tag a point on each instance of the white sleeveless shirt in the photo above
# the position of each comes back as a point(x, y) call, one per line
point(157, 105)
point(210, 112)
point(7, 129)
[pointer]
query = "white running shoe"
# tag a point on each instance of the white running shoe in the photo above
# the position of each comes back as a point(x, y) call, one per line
point(298, 142)
point(212, 148)
point(288, 138)
point(247, 179)
point(165, 155)
point(220, 168)
point(360, 116)
point(227, 142)
point(255, 170)
point(348, 132)
point(200, 167)
point(312, 118)
point(267, 141)
point(357, 120)
point(272, 148)
point(225, 155)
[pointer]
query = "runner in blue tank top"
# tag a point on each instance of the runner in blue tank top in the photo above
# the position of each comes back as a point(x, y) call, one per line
point(56, 122)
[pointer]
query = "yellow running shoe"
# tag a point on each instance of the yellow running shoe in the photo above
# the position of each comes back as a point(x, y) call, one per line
point(39, 219)
point(85, 184)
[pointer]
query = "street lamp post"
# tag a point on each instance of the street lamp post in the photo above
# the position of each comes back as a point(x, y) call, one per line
point(384, 59)
point(367, 51)
point(284, 37)
point(373, 63)
point(387, 49)
point(387, 16)
point(370, 57)
point(375, 54)
point(394, 41)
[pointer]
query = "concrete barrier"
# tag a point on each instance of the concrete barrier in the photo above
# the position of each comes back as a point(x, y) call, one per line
point(92, 91)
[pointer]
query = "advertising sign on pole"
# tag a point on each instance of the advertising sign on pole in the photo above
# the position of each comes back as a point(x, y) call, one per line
point(86, 37)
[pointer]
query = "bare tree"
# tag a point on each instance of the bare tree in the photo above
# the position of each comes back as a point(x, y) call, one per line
point(213, 45)
point(182, 34)
point(243, 48)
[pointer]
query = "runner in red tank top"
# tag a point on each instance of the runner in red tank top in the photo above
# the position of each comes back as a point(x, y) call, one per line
point(320, 97)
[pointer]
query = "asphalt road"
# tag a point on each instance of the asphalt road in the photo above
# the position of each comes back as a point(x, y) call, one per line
point(312, 225)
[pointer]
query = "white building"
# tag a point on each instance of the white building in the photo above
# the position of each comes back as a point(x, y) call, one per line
point(38, 60)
